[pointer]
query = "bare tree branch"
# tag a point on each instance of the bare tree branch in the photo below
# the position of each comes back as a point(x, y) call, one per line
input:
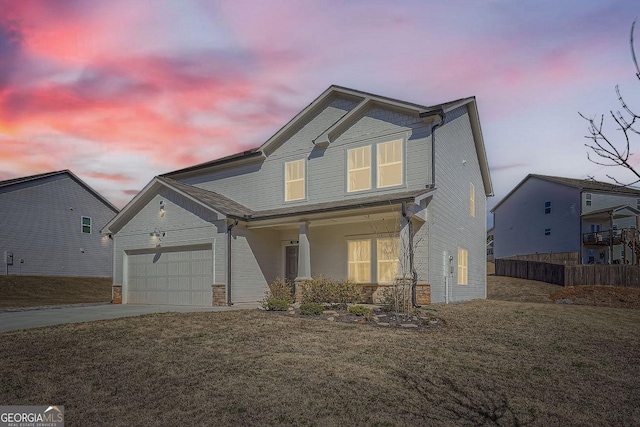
point(610, 152)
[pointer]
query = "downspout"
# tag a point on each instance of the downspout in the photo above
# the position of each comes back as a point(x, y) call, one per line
point(443, 116)
point(414, 273)
point(229, 227)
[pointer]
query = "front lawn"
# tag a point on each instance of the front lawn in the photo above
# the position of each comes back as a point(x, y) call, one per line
point(493, 362)
point(37, 291)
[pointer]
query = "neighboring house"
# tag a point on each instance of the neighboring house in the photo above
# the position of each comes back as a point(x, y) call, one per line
point(547, 214)
point(348, 188)
point(50, 225)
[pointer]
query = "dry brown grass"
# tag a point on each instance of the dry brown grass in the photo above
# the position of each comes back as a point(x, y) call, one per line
point(36, 291)
point(495, 362)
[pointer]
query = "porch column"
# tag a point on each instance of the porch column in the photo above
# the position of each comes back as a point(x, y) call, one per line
point(404, 251)
point(611, 237)
point(304, 253)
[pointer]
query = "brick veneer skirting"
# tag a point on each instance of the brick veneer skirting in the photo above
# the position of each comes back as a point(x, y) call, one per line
point(116, 294)
point(219, 295)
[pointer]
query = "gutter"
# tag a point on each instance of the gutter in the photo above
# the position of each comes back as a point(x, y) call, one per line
point(229, 228)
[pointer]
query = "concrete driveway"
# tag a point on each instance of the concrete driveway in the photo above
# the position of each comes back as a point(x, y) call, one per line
point(46, 316)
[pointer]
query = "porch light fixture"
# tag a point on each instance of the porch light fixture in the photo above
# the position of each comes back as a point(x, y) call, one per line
point(157, 233)
point(161, 207)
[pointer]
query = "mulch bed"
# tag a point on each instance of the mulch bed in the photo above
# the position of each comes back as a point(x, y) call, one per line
point(422, 319)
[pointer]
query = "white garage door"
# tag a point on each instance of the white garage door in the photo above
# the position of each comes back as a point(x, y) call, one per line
point(176, 277)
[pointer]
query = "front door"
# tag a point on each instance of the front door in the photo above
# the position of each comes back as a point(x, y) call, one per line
point(291, 263)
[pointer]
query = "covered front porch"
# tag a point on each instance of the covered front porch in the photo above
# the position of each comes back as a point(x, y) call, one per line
point(374, 246)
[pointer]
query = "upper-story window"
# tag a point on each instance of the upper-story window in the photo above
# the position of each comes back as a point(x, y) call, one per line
point(472, 199)
point(390, 163)
point(588, 199)
point(359, 168)
point(547, 207)
point(294, 180)
point(86, 225)
point(638, 203)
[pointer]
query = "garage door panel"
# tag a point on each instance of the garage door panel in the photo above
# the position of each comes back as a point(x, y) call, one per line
point(171, 277)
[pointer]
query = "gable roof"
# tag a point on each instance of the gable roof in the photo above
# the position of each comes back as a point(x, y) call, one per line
point(365, 100)
point(580, 184)
point(25, 179)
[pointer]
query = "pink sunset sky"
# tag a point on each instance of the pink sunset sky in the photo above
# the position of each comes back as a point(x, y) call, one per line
point(119, 91)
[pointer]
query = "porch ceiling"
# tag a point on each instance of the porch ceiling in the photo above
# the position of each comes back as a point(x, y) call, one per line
point(617, 212)
point(331, 218)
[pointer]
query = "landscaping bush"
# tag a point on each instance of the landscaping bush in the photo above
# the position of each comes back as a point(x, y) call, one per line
point(361, 310)
point(311, 309)
point(322, 290)
point(275, 304)
point(278, 293)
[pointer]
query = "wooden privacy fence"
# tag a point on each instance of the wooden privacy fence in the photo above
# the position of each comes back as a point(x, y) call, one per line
point(571, 275)
point(531, 270)
point(603, 274)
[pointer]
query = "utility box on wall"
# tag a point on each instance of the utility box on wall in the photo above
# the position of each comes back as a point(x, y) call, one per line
point(8, 258)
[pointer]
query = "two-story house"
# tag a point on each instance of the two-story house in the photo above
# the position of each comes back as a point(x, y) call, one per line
point(355, 186)
point(546, 214)
point(50, 225)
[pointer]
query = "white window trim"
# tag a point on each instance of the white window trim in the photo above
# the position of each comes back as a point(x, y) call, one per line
point(378, 259)
point(303, 179)
point(370, 262)
point(463, 269)
point(401, 162)
point(83, 225)
point(349, 190)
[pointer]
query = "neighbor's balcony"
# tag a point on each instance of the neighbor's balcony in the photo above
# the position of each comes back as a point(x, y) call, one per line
point(603, 238)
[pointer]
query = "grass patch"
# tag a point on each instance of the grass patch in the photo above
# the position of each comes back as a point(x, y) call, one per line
point(38, 291)
point(495, 363)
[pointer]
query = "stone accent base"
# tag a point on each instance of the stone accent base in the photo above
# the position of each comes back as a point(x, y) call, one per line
point(423, 293)
point(298, 290)
point(219, 293)
point(116, 294)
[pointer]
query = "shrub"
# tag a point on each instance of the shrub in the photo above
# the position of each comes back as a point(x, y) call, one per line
point(322, 290)
point(311, 309)
point(361, 310)
point(278, 290)
point(275, 304)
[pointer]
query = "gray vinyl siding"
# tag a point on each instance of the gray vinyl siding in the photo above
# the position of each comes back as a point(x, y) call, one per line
point(449, 223)
point(260, 185)
point(520, 221)
point(185, 223)
point(40, 222)
point(606, 200)
point(256, 259)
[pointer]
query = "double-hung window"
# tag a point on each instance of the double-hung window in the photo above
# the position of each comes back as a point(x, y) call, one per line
point(389, 163)
point(294, 180)
point(463, 262)
point(388, 259)
point(587, 199)
point(86, 225)
point(359, 260)
point(547, 208)
point(359, 169)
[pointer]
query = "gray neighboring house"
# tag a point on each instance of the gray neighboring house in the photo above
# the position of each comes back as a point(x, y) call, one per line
point(595, 220)
point(352, 186)
point(50, 225)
